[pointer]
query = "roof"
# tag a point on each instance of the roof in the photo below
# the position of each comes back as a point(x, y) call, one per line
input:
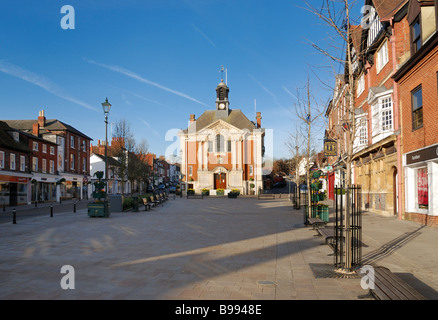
point(50, 125)
point(111, 160)
point(236, 118)
point(387, 8)
point(8, 142)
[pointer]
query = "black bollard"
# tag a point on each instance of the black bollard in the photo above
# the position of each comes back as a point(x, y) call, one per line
point(51, 211)
point(74, 207)
point(14, 217)
point(4, 207)
point(35, 203)
point(60, 200)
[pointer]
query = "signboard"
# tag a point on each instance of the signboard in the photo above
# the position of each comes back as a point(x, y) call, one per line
point(422, 155)
point(330, 147)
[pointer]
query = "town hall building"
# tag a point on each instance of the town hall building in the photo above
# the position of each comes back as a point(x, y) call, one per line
point(222, 149)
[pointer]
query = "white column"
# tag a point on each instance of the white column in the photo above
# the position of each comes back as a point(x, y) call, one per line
point(233, 154)
point(432, 180)
point(200, 155)
point(239, 154)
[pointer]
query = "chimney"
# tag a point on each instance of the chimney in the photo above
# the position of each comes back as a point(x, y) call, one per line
point(36, 129)
point(192, 118)
point(41, 119)
point(259, 120)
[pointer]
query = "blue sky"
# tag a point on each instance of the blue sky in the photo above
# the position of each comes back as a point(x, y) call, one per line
point(157, 62)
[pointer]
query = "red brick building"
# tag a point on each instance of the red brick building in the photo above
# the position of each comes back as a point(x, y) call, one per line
point(418, 98)
point(72, 155)
point(222, 149)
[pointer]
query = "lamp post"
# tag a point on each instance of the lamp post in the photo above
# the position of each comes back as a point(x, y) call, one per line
point(106, 106)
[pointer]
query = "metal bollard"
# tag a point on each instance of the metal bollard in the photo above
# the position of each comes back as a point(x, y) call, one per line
point(74, 207)
point(51, 211)
point(4, 207)
point(14, 217)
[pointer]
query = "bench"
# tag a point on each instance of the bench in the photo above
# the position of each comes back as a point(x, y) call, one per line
point(162, 197)
point(158, 199)
point(328, 233)
point(195, 196)
point(316, 222)
point(388, 286)
point(153, 201)
point(147, 204)
point(266, 196)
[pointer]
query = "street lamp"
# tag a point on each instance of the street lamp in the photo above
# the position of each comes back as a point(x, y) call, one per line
point(106, 106)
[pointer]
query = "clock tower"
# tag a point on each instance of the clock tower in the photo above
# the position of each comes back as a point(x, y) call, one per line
point(222, 103)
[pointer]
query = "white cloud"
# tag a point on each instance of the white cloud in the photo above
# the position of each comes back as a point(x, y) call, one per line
point(41, 82)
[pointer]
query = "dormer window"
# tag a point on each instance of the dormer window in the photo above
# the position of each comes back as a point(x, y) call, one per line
point(416, 35)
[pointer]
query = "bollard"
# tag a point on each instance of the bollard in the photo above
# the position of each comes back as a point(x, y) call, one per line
point(4, 207)
point(60, 200)
point(51, 211)
point(14, 217)
point(74, 207)
point(35, 203)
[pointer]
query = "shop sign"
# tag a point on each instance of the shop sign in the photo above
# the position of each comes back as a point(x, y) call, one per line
point(422, 155)
point(13, 179)
point(330, 148)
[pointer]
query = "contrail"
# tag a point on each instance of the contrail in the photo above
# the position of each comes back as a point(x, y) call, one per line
point(135, 76)
point(41, 82)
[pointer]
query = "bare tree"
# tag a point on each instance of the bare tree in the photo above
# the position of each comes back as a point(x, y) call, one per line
point(310, 112)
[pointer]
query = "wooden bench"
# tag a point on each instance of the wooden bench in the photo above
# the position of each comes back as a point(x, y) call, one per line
point(316, 222)
point(147, 204)
point(162, 197)
point(266, 196)
point(328, 233)
point(388, 286)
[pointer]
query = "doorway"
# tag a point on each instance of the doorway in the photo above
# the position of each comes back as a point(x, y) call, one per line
point(220, 181)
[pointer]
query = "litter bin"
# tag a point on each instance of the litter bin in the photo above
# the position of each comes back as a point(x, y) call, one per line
point(135, 204)
point(323, 212)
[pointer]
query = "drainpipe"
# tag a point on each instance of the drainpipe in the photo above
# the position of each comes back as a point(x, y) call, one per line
point(397, 127)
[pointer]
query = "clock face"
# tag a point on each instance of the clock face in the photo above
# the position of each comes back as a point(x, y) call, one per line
point(222, 106)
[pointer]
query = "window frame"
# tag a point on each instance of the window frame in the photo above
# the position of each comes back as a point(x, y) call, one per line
point(35, 146)
point(417, 109)
point(35, 164)
point(44, 166)
point(72, 161)
point(382, 52)
point(414, 48)
point(22, 163)
point(2, 159)
point(51, 166)
point(12, 161)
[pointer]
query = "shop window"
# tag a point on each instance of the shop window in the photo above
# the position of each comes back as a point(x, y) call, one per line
point(422, 188)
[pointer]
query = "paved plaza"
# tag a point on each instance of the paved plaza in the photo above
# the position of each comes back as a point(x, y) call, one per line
point(202, 249)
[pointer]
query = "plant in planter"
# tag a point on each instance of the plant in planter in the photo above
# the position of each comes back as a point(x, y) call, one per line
point(99, 208)
point(234, 193)
point(190, 191)
point(205, 192)
point(220, 192)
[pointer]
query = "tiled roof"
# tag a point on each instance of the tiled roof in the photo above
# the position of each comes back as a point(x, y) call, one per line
point(50, 125)
point(236, 118)
point(7, 142)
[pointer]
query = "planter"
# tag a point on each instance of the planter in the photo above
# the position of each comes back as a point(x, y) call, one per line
point(99, 209)
point(219, 192)
point(232, 195)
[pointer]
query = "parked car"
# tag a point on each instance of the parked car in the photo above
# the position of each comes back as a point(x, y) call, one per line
point(161, 187)
point(172, 189)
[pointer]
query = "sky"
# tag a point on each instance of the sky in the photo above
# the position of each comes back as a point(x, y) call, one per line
point(157, 62)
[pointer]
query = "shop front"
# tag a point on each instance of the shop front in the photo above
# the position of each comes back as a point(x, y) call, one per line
point(421, 185)
point(43, 187)
point(14, 189)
